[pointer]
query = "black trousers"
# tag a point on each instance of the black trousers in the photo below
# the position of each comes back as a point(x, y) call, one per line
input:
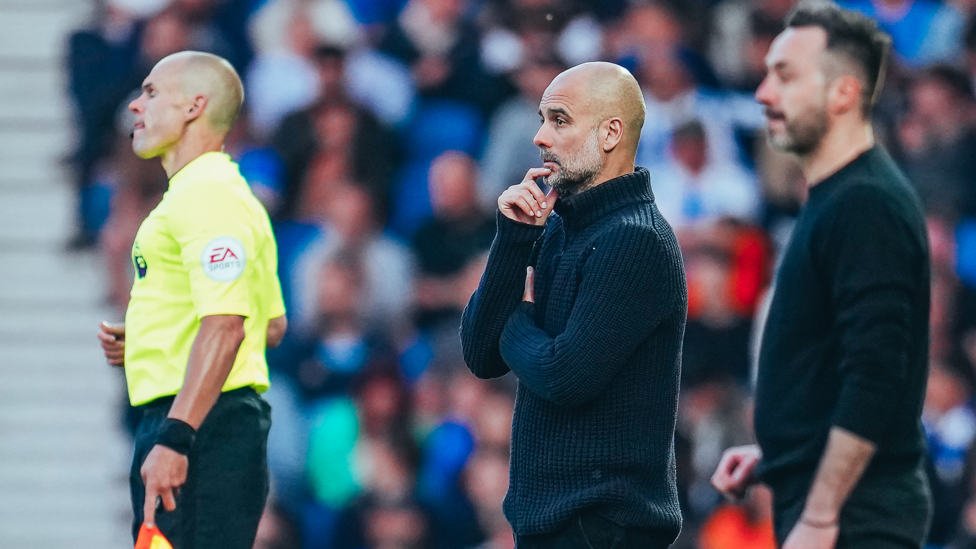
point(884, 511)
point(223, 498)
point(588, 530)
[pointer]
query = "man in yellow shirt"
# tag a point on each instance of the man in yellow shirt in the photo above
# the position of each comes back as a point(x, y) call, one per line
point(205, 303)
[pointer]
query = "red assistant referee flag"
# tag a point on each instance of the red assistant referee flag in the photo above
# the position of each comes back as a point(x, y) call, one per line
point(151, 538)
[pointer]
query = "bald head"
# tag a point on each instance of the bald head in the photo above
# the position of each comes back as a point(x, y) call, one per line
point(592, 116)
point(608, 91)
point(212, 77)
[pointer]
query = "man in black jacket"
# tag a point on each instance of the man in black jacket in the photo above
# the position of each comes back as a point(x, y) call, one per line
point(843, 363)
point(587, 308)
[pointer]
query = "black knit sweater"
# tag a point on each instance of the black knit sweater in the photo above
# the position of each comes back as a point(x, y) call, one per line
point(597, 357)
point(846, 340)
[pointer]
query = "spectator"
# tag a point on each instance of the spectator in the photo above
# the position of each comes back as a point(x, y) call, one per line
point(520, 31)
point(694, 189)
point(652, 39)
point(333, 142)
point(105, 65)
point(284, 77)
point(937, 136)
point(348, 220)
point(742, 31)
point(441, 47)
point(716, 345)
point(950, 427)
point(449, 247)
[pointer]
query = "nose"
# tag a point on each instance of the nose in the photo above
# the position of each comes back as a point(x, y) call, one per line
point(764, 93)
point(136, 105)
point(543, 138)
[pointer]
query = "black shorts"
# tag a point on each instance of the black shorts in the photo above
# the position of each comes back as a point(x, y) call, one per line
point(885, 510)
point(223, 498)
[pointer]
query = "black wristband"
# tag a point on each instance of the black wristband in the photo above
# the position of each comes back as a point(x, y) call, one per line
point(176, 435)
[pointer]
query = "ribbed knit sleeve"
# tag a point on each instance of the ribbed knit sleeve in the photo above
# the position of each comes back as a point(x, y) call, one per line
point(498, 294)
point(625, 290)
point(871, 268)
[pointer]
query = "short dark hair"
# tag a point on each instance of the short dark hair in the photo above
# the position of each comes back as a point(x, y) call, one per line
point(690, 129)
point(852, 35)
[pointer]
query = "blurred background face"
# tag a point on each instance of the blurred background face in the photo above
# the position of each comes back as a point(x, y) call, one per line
point(794, 92)
point(165, 34)
point(446, 11)
point(340, 291)
point(335, 127)
point(159, 112)
point(941, 113)
point(691, 150)
point(533, 79)
point(396, 527)
point(350, 212)
point(452, 184)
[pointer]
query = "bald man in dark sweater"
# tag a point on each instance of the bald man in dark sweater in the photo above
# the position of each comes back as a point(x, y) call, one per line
point(587, 307)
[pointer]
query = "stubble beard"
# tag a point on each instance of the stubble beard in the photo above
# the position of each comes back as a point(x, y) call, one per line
point(578, 169)
point(803, 134)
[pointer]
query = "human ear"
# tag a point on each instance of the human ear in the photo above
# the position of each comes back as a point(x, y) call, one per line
point(613, 132)
point(196, 108)
point(846, 94)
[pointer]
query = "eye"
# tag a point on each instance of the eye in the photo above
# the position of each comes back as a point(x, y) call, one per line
point(560, 122)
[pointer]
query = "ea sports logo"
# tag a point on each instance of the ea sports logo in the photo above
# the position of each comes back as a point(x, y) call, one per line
point(223, 259)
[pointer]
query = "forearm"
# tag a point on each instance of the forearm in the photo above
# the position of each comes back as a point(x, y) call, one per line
point(841, 467)
point(627, 288)
point(211, 360)
point(569, 369)
point(276, 331)
point(499, 292)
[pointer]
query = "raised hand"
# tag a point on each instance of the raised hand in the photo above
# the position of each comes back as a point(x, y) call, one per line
point(525, 202)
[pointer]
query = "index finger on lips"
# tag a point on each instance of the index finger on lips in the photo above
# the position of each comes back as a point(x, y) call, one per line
point(535, 173)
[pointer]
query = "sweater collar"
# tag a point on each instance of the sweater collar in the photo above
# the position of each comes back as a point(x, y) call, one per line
point(581, 210)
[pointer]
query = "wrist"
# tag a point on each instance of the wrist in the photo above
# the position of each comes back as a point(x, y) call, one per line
point(177, 435)
point(819, 523)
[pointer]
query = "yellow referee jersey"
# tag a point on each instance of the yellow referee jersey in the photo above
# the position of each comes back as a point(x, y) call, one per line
point(207, 249)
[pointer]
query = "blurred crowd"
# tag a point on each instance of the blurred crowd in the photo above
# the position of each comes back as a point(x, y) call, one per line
point(379, 133)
